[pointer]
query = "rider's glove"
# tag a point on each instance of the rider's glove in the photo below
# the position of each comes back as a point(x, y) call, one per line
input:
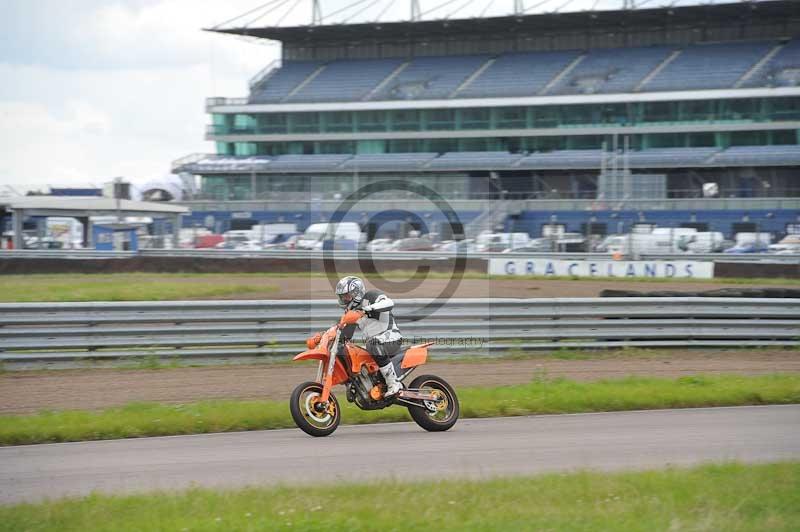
point(366, 308)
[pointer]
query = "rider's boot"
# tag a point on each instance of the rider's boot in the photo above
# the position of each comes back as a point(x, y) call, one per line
point(393, 385)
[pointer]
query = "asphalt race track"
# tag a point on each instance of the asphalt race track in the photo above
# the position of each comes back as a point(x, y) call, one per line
point(473, 448)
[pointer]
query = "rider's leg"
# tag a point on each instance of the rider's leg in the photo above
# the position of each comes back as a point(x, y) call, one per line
point(382, 353)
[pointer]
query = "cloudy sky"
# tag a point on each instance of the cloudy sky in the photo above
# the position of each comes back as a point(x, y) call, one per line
point(94, 89)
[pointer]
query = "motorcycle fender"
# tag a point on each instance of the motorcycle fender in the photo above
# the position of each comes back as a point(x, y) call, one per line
point(339, 372)
point(416, 355)
point(312, 355)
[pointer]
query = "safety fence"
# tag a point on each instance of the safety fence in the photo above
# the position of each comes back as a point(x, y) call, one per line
point(69, 334)
point(379, 255)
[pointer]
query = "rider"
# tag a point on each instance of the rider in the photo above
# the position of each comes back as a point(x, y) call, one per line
point(377, 325)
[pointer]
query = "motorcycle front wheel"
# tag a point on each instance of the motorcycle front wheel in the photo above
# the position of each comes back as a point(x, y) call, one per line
point(308, 416)
point(440, 415)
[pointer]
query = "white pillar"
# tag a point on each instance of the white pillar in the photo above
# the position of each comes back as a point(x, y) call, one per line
point(17, 216)
point(176, 229)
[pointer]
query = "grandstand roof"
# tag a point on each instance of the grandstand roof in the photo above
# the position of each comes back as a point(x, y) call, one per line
point(694, 15)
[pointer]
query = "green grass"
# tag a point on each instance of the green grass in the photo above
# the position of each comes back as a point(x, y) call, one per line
point(540, 396)
point(181, 286)
point(730, 497)
point(125, 287)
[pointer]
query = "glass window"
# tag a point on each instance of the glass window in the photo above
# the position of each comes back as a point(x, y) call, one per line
point(371, 121)
point(441, 119)
point(475, 118)
point(336, 147)
point(243, 123)
point(304, 123)
point(546, 117)
point(697, 110)
point(338, 122)
point(511, 117)
point(784, 108)
point(579, 115)
point(472, 145)
point(273, 123)
point(244, 148)
point(701, 140)
point(405, 120)
point(658, 112)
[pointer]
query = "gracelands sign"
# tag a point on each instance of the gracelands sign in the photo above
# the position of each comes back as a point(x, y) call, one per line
point(678, 269)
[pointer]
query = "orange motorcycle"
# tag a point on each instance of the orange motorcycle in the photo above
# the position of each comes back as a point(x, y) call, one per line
point(430, 400)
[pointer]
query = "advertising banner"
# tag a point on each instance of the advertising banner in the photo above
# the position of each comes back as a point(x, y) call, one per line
point(678, 269)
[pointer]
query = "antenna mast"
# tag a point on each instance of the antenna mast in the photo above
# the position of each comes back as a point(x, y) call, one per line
point(415, 11)
point(316, 13)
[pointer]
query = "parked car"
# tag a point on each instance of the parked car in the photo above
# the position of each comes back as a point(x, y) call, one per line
point(748, 247)
point(789, 244)
point(412, 244)
point(317, 234)
point(380, 244)
point(537, 245)
point(456, 246)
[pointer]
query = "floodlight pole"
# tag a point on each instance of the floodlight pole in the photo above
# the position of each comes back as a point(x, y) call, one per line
point(519, 7)
point(415, 11)
point(316, 13)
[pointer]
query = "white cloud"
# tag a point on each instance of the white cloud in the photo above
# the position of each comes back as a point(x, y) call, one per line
point(126, 96)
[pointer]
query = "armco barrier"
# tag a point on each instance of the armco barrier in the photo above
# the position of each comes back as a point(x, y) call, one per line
point(793, 258)
point(37, 334)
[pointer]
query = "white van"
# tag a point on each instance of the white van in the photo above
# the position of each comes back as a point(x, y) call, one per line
point(315, 235)
point(705, 242)
point(501, 241)
point(639, 244)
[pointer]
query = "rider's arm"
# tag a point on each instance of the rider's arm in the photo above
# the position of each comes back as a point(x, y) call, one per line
point(382, 303)
point(348, 331)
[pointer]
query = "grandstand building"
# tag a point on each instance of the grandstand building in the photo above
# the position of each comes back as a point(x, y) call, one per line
point(596, 120)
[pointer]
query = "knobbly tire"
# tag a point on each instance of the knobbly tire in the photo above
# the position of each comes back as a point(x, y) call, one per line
point(309, 420)
point(446, 414)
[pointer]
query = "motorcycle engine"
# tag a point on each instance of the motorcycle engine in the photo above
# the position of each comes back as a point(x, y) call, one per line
point(362, 383)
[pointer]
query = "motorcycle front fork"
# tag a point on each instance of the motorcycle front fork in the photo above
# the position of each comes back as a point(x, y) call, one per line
point(320, 369)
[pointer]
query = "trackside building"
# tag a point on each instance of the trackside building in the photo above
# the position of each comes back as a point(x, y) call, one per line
point(595, 120)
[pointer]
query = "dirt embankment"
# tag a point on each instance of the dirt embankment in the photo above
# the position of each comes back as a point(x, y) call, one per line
point(26, 392)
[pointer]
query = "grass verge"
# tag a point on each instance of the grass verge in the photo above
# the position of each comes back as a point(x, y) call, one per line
point(731, 497)
point(540, 396)
point(181, 286)
point(126, 287)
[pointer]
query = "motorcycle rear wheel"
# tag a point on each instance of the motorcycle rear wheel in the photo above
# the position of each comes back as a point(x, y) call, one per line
point(309, 420)
point(447, 411)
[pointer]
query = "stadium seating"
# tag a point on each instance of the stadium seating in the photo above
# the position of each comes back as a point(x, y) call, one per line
point(475, 160)
point(564, 159)
point(670, 157)
point(430, 77)
point(611, 70)
point(519, 74)
point(455, 161)
point(759, 156)
point(308, 163)
point(280, 82)
point(782, 70)
point(709, 66)
point(346, 80)
point(387, 161)
point(619, 70)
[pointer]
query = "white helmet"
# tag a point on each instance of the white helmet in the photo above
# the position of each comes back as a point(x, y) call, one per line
point(350, 291)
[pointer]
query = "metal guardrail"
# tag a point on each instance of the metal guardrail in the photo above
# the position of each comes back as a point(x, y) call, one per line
point(59, 334)
point(378, 255)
